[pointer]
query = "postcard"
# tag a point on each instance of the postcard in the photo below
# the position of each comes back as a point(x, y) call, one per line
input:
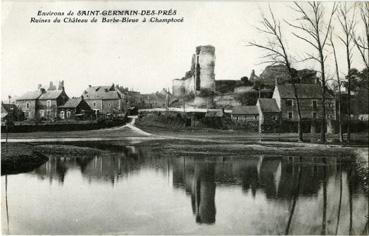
point(184, 118)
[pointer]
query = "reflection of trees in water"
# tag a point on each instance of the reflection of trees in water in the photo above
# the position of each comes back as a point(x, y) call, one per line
point(324, 217)
point(295, 194)
point(6, 205)
point(274, 176)
point(340, 198)
point(82, 162)
point(282, 179)
point(55, 168)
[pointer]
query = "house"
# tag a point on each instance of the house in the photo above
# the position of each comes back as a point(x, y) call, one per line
point(269, 112)
point(49, 102)
point(310, 99)
point(28, 103)
point(244, 114)
point(104, 99)
point(75, 108)
point(11, 112)
point(42, 103)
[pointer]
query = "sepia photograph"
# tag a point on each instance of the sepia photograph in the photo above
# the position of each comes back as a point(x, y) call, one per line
point(184, 117)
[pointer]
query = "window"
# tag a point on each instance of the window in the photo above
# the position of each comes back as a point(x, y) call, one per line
point(94, 104)
point(314, 115)
point(42, 113)
point(48, 103)
point(48, 113)
point(289, 103)
point(27, 105)
point(62, 115)
point(314, 104)
point(68, 114)
point(289, 115)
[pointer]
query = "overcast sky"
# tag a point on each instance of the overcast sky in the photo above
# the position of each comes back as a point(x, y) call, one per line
point(144, 57)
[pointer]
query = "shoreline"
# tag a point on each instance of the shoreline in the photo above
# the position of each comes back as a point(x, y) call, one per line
point(139, 133)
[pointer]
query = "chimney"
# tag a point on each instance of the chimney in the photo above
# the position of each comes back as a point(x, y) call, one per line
point(89, 86)
point(82, 98)
point(51, 86)
point(61, 85)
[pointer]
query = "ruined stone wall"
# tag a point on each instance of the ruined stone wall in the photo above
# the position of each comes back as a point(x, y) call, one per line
point(226, 101)
point(182, 87)
point(178, 87)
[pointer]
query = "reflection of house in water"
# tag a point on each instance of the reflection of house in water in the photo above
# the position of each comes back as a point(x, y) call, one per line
point(58, 166)
point(107, 167)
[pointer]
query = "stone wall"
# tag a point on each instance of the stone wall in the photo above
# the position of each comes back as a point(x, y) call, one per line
point(48, 110)
point(30, 109)
point(226, 101)
point(307, 109)
point(95, 104)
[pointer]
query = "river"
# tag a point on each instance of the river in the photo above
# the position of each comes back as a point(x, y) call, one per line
point(177, 188)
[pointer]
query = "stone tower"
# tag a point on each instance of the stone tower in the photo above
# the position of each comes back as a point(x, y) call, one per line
point(204, 61)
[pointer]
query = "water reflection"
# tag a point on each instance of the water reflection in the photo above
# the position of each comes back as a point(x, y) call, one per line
point(289, 187)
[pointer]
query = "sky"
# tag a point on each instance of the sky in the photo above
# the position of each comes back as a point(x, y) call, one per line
point(143, 57)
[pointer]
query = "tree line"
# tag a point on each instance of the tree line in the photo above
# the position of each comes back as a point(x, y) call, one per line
point(323, 28)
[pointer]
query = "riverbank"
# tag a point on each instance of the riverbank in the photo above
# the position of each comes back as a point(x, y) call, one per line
point(140, 133)
point(17, 158)
point(247, 136)
point(106, 134)
point(62, 125)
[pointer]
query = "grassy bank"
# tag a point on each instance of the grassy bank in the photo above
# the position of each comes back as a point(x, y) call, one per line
point(241, 135)
point(17, 158)
point(112, 133)
point(69, 150)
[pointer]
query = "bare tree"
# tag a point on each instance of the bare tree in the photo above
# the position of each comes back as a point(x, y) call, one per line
point(315, 32)
point(362, 45)
point(346, 17)
point(362, 41)
point(339, 85)
point(276, 53)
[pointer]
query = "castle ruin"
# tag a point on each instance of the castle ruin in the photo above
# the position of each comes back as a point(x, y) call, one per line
point(201, 76)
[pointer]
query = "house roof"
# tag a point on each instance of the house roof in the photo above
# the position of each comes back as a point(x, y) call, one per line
point(218, 113)
point(102, 92)
point(51, 94)
point(245, 110)
point(303, 91)
point(268, 105)
point(9, 107)
point(72, 103)
point(32, 95)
